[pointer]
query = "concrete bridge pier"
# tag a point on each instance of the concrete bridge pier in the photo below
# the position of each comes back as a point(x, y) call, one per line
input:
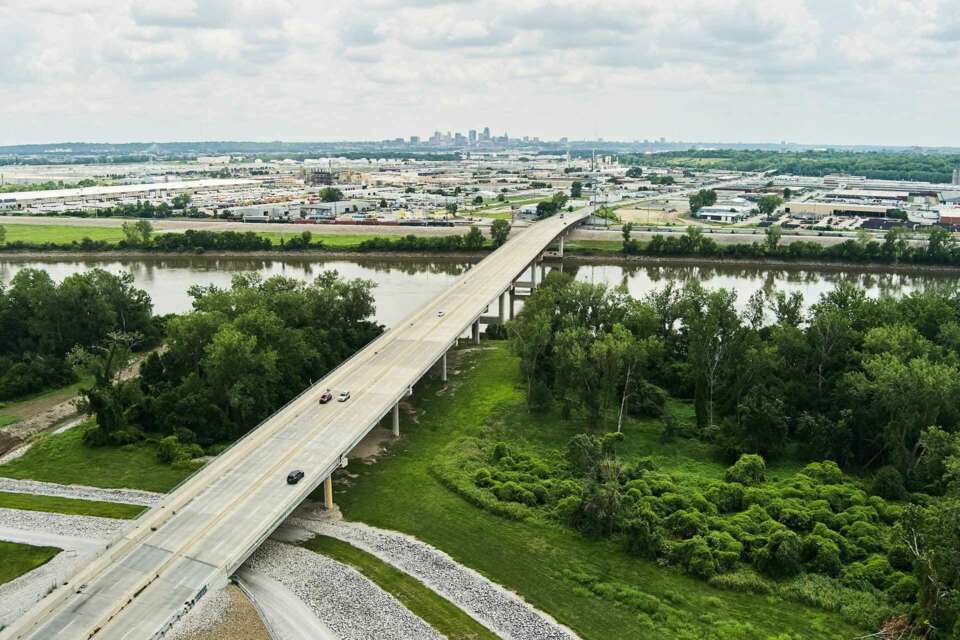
point(396, 420)
point(561, 244)
point(502, 306)
point(328, 493)
point(475, 331)
point(543, 272)
point(513, 297)
point(443, 367)
point(533, 275)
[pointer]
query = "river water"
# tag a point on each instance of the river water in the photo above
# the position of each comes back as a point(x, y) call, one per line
point(403, 285)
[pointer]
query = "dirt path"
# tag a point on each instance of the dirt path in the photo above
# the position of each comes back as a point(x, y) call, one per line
point(47, 412)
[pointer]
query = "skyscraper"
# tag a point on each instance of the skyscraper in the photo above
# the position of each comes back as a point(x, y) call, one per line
point(472, 135)
point(956, 176)
point(486, 133)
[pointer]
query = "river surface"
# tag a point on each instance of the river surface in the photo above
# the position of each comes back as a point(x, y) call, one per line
point(404, 285)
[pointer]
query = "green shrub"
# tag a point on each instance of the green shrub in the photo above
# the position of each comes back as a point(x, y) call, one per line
point(822, 555)
point(780, 557)
point(750, 469)
point(583, 453)
point(643, 534)
point(826, 472)
point(482, 478)
point(500, 451)
point(903, 588)
point(686, 523)
point(888, 484)
point(727, 497)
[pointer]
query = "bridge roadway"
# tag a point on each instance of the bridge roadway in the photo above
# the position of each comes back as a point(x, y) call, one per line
point(206, 528)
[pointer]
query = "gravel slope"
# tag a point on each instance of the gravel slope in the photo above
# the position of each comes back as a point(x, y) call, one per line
point(503, 612)
point(80, 492)
point(352, 606)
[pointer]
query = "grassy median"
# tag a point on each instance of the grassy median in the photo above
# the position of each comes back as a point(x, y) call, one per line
point(59, 233)
point(18, 559)
point(542, 561)
point(437, 611)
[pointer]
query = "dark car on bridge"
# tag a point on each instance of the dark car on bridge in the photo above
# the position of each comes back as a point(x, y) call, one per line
point(294, 476)
point(326, 397)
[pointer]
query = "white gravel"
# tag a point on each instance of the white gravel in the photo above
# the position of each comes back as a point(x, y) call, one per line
point(88, 527)
point(503, 612)
point(203, 617)
point(79, 536)
point(80, 492)
point(352, 606)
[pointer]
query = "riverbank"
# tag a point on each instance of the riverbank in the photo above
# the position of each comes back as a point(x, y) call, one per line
point(573, 256)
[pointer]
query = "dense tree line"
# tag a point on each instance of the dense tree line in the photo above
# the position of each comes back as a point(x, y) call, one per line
point(880, 165)
point(42, 322)
point(940, 248)
point(232, 361)
point(864, 384)
point(473, 240)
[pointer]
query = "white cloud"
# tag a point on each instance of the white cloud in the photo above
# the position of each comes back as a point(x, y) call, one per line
point(820, 71)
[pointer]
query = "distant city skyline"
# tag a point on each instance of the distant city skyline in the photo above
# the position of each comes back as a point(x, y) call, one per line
point(811, 71)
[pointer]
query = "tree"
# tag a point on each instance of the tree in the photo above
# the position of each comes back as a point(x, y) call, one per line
point(634, 172)
point(576, 188)
point(787, 193)
point(451, 208)
point(478, 201)
point(330, 194)
point(773, 234)
point(473, 241)
point(931, 536)
point(383, 203)
point(768, 204)
point(180, 201)
point(111, 399)
point(137, 233)
point(499, 231)
point(701, 199)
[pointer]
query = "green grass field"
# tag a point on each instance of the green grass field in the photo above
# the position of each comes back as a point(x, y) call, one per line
point(436, 610)
point(6, 420)
point(539, 560)
point(18, 559)
point(59, 233)
point(64, 459)
point(69, 506)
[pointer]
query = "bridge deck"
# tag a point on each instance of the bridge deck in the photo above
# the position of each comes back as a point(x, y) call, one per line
point(204, 530)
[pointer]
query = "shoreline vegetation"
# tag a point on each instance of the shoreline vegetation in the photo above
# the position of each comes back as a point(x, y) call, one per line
point(895, 254)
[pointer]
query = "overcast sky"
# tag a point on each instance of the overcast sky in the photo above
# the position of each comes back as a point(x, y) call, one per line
point(810, 71)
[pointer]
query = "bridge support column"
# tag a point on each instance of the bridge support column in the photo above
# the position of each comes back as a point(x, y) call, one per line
point(543, 272)
point(443, 367)
point(396, 420)
point(475, 330)
point(502, 306)
point(513, 298)
point(561, 244)
point(533, 275)
point(328, 493)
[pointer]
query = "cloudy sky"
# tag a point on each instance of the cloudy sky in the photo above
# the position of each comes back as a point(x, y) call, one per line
point(811, 71)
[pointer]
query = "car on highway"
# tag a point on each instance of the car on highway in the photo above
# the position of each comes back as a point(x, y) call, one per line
point(439, 314)
point(294, 476)
point(344, 396)
point(326, 397)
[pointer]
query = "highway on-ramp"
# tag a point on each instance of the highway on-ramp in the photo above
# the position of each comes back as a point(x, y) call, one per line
point(204, 530)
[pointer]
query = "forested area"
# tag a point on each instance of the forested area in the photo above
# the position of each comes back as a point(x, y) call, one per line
point(239, 355)
point(41, 323)
point(879, 165)
point(857, 394)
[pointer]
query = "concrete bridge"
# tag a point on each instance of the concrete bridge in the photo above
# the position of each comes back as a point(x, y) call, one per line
point(201, 533)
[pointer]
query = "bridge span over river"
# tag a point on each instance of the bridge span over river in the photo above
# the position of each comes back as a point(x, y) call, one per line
point(201, 532)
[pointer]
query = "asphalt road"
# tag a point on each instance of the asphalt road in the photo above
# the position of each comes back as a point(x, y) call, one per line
point(203, 531)
point(285, 614)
